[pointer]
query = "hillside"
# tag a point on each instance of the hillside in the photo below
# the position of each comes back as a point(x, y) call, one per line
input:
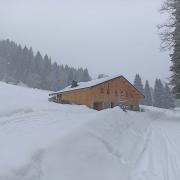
point(40, 140)
point(21, 64)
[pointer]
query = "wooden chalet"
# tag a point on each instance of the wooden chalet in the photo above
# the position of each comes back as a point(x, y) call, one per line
point(101, 93)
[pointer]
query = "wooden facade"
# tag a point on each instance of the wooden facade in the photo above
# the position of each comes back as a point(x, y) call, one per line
point(107, 94)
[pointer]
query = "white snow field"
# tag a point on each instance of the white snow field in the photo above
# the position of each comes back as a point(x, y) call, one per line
point(40, 140)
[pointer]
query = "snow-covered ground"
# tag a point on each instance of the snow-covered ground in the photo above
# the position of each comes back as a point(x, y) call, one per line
point(40, 140)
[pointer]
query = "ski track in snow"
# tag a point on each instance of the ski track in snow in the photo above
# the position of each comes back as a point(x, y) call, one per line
point(161, 158)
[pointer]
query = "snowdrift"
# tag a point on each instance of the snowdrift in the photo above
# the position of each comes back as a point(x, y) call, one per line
point(40, 140)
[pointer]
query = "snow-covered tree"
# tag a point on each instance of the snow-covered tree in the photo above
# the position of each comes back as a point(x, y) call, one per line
point(86, 76)
point(148, 96)
point(163, 96)
point(170, 37)
point(139, 85)
point(169, 99)
point(158, 95)
point(20, 64)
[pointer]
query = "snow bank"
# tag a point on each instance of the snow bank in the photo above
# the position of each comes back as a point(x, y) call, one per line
point(107, 147)
point(40, 140)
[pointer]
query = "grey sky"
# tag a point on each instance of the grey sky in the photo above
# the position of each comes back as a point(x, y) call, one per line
point(106, 36)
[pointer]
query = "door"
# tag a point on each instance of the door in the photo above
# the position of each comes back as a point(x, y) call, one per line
point(112, 105)
point(98, 106)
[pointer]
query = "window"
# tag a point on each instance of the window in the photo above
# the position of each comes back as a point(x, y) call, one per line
point(116, 93)
point(112, 105)
point(59, 96)
point(122, 93)
point(108, 92)
point(98, 106)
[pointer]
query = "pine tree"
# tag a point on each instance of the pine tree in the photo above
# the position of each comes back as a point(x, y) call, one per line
point(170, 37)
point(46, 72)
point(53, 77)
point(20, 64)
point(159, 95)
point(139, 85)
point(64, 77)
point(148, 96)
point(175, 56)
point(169, 99)
point(86, 76)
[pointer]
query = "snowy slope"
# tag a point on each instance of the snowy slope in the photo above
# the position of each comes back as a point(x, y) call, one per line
point(40, 140)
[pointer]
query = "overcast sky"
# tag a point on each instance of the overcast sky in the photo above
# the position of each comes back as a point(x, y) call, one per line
point(106, 36)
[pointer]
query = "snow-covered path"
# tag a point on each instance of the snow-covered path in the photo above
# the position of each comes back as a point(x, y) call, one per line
point(40, 140)
point(161, 158)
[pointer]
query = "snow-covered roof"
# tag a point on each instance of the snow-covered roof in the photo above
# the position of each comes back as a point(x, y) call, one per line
point(84, 85)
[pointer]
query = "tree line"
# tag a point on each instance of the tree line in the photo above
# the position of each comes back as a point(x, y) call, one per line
point(19, 64)
point(160, 96)
point(170, 38)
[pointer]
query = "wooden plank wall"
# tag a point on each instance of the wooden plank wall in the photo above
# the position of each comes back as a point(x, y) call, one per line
point(112, 91)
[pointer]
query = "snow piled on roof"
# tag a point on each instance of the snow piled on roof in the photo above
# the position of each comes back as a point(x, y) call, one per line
point(83, 85)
